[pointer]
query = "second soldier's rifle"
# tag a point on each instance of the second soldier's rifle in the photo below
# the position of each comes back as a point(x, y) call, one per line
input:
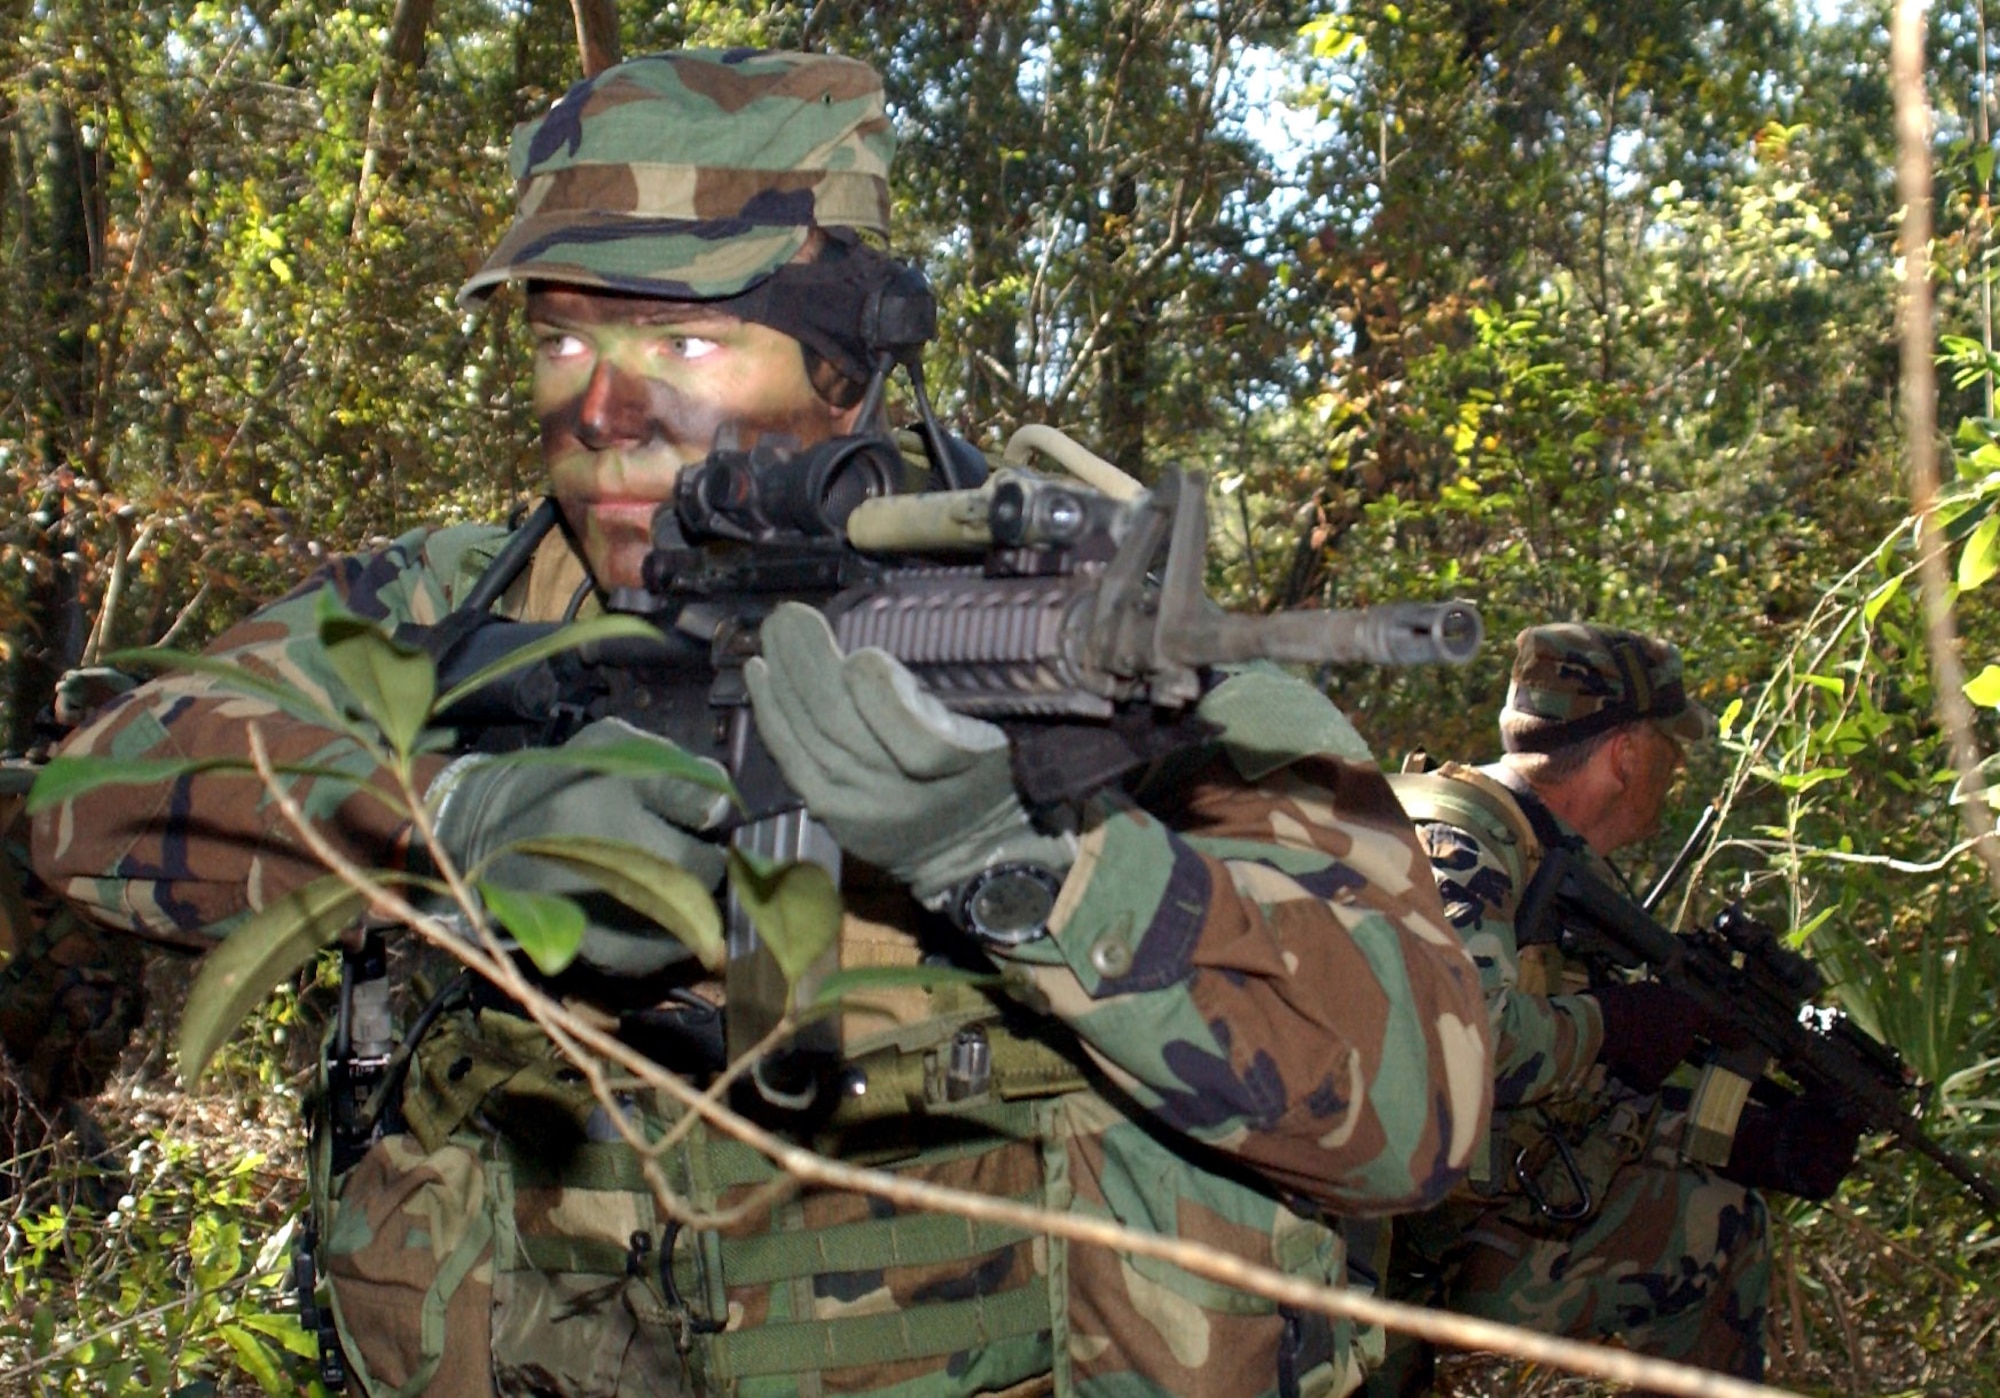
point(1739, 970)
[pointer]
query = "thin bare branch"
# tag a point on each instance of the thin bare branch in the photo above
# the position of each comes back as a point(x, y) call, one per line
point(1913, 184)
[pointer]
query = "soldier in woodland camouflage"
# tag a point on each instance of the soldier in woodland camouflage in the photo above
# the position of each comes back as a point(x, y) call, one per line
point(1246, 1015)
point(1584, 1219)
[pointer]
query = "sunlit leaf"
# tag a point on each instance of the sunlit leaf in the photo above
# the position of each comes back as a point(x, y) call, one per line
point(283, 1327)
point(548, 926)
point(1880, 598)
point(795, 907)
point(1980, 559)
point(257, 957)
point(257, 1358)
point(1727, 723)
point(1984, 687)
point(656, 887)
point(393, 683)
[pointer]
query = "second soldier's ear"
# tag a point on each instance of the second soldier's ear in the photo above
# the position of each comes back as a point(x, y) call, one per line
point(1624, 750)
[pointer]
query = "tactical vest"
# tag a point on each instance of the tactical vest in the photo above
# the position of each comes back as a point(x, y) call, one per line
point(1468, 799)
point(508, 1225)
point(508, 1219)
point(1558, 1157)
point(1569, 1149)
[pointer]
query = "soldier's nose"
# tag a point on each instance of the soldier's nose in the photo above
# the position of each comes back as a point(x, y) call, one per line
point(614, 411)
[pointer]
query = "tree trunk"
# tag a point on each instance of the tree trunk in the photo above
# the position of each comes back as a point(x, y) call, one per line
point(55, 627)
point(1130, 343)
point(409, 27)
point(992, 371)
point(597, 34)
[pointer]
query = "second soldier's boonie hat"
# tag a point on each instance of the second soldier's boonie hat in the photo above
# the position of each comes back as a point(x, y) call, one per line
point(1573, 680)
point(695, 174)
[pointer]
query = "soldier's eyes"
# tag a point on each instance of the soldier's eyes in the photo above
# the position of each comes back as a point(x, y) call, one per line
point(692, 346)
point(554, 344)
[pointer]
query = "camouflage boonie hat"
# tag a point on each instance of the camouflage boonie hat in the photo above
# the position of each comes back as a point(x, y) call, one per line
point(1573, 681)
point(694, 175)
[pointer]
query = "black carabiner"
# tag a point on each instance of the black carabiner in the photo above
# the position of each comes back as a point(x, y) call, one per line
point(695, 1324)
point(1584, 1206)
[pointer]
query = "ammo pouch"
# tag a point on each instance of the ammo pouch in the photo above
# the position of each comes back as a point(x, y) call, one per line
point(508, 1243)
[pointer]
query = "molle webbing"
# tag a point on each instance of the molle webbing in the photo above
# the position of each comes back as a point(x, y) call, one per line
point(472, 1074)
point(937, 1329)
point(788, 1256)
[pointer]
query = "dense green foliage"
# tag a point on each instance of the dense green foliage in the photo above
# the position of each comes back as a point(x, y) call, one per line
point(1576, 310)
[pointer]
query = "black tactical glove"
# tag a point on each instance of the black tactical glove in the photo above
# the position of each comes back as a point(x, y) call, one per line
point(1648, 1029)
point(1804, 1147)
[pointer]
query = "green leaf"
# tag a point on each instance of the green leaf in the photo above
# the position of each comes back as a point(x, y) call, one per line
point(1804, 781)
point(258, 956)
point(257, 1358)
point(627, 757)
point(230, 674)
point(1980, 559)
point(1880, 598)
point(580, 633)
point(65, 778)
point(548, 926)
point(857, 979)
point(643, 881)
point(1984, 688)
point(285, 1329)
point(795, 907)
point(391, 682)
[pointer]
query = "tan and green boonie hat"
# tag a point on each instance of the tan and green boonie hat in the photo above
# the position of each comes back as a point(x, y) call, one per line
point(1573, 681)
point(694, 175)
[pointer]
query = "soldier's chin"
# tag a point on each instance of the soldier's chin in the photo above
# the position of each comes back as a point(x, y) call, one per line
point(621, 564)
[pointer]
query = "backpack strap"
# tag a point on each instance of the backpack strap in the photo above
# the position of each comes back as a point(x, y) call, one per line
point(1460, 795)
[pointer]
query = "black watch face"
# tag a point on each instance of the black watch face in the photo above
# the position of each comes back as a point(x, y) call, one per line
point(1011, 905)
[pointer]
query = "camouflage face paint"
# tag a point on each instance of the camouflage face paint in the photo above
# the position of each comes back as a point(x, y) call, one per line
point(629, 389)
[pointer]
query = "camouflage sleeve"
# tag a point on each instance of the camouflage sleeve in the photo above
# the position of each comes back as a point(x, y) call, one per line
point(1264, 966)
point(1543, 1045)
point(182, 860)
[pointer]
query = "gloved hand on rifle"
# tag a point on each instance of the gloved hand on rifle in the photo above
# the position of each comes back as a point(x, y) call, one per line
point(1649, 1028)
point(487, 804)
point(904, 783)
point(1804, 1147)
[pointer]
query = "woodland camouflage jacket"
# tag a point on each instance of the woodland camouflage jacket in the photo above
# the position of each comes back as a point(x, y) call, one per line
point(1545, 1039)
point(1252, 965)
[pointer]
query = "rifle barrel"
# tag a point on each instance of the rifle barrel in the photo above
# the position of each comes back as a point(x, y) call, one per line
point(1655, 895)
point(1395, 633)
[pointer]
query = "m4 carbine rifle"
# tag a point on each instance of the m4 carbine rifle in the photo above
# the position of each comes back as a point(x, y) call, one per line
point(1077, 620)
point(1739, 970)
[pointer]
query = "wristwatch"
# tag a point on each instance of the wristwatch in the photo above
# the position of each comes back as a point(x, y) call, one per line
point(1008, 904)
